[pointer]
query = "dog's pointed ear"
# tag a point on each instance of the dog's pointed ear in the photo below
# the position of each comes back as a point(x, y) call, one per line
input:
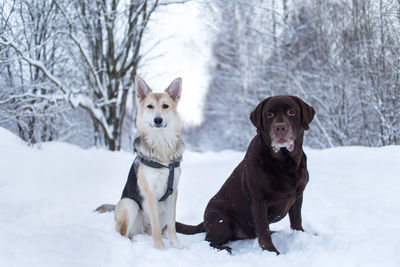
point(141, 89)
point(174, 89)
point(307, 112)
point(256, 115)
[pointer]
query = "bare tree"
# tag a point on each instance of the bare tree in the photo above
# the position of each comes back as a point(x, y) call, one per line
point(102, 42)
point(29, 98)
point(340, 56)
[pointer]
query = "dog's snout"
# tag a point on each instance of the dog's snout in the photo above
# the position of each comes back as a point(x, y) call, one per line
point(158, 120)
point(281, 128)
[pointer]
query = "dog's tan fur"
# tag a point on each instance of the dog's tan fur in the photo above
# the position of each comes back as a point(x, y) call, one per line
point(122, 223)
point(157, 100)
point(164, 145)
point(151, 207)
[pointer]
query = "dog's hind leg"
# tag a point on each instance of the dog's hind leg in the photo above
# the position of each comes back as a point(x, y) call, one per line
point(219, 230)
point(128, 218)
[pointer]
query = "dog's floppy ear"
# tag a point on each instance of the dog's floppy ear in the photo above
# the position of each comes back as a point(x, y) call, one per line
point(256, 115)
point(307, 112)
point(141, 89)
point(174, 89)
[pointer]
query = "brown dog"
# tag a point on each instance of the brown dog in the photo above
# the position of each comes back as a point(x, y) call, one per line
point(267, 184)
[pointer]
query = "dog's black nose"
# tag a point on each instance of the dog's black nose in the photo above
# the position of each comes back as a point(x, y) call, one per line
point(158, 121)
point(281, 128)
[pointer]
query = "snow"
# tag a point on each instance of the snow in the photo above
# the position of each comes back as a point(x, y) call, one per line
point(48, 194)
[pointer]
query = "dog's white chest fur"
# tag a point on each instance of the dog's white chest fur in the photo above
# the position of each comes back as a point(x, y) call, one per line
point(157, 180)
point(153, 184)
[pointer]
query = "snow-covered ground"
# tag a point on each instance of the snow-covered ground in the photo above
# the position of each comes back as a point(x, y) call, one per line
point(351, 210)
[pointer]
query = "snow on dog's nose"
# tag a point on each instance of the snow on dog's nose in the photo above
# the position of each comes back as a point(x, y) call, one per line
point(282, 137)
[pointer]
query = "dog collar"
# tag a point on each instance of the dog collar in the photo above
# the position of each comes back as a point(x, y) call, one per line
point(157, 165)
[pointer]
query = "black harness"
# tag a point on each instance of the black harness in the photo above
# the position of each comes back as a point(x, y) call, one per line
point(157, 165)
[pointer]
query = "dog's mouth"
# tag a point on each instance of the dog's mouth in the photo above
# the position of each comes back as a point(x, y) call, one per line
point(282, 142)
point(154, 125)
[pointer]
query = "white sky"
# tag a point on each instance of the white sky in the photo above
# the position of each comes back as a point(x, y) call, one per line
point(183, 52)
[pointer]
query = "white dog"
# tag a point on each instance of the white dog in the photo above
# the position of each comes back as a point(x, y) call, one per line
point(148, 202)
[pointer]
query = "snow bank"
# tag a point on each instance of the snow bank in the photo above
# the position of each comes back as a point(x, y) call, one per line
point(48, 193)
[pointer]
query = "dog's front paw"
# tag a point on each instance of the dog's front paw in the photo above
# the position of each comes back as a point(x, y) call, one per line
point(175, 243)
point(269, 247)
point(159, 245)
point(297, 228)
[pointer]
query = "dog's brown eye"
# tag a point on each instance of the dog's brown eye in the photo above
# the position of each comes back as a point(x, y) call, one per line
point(150, 106)
point(165, 106)
point(291, 112)
point(269, 114)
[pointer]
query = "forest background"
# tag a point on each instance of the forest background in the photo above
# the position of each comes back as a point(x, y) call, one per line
point(67, 68)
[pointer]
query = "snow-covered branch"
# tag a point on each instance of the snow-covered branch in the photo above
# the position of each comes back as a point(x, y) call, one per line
point(74, 98)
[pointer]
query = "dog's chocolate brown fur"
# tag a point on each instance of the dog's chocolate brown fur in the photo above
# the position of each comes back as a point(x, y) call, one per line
point(267, 184)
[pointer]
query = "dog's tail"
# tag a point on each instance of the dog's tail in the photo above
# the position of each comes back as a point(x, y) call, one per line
point(189, 229)
point(105, 208)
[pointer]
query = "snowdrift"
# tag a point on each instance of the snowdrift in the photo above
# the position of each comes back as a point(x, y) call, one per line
point(48, 193)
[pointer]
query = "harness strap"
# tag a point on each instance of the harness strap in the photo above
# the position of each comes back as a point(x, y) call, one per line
point(157, 165)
